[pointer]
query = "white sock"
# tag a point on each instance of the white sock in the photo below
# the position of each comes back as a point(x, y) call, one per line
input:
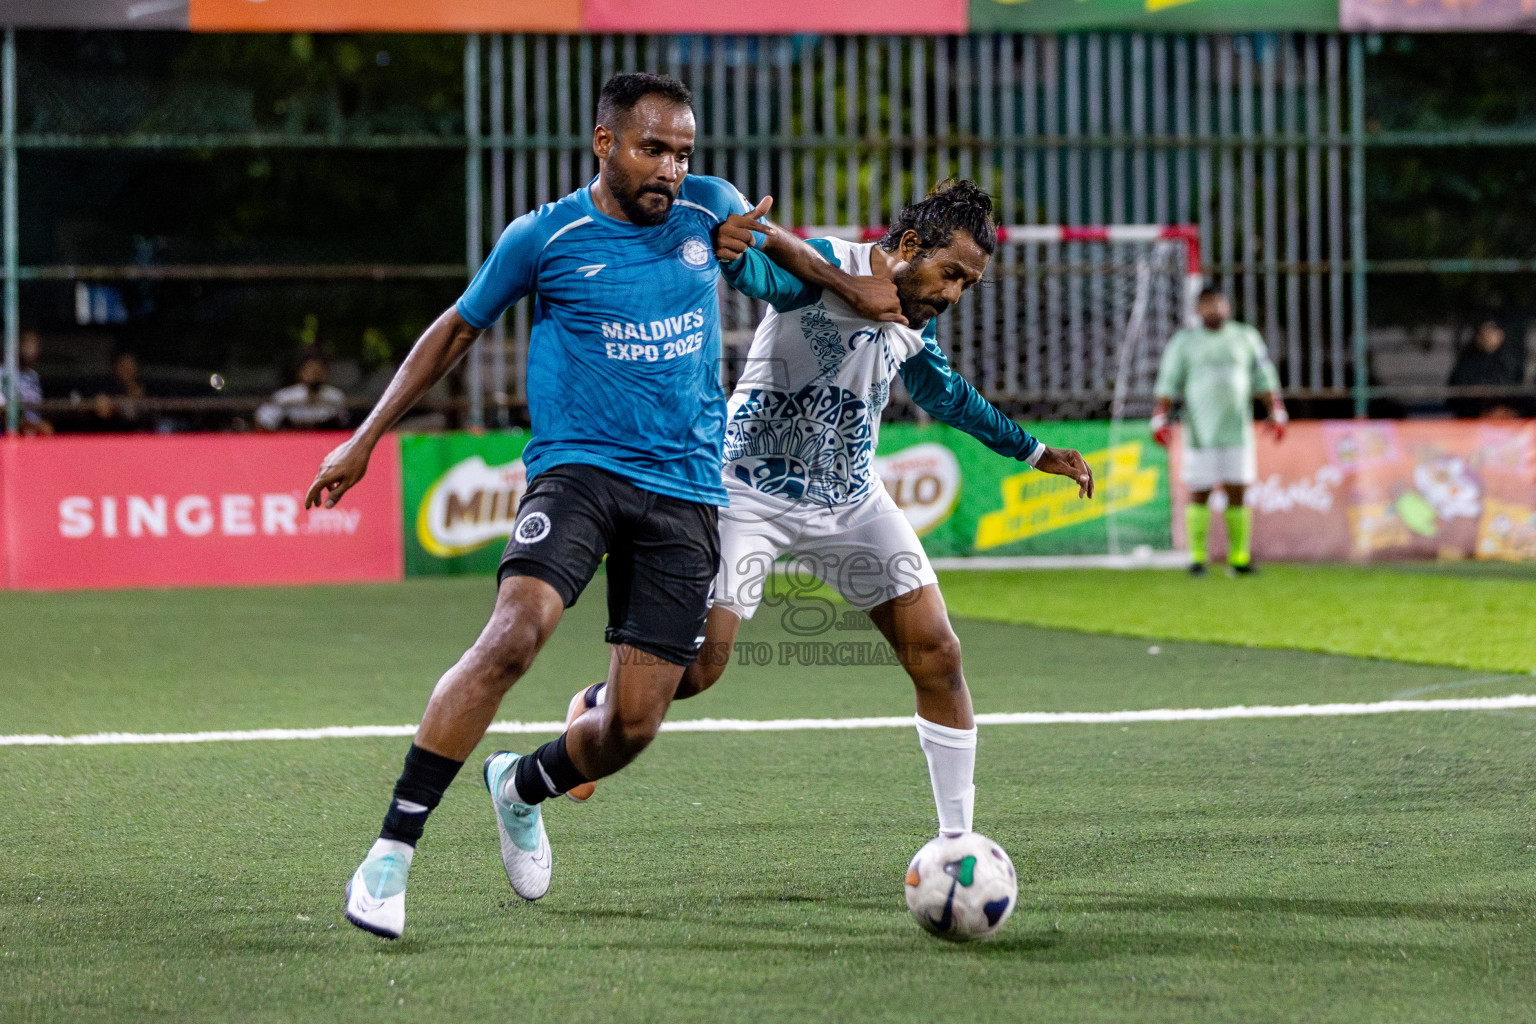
point(951, 757)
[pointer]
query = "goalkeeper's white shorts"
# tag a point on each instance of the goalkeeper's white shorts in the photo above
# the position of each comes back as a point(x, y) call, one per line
point(866, 551)
point(1207, 468)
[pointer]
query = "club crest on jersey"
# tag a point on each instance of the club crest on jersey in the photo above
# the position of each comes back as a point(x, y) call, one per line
point(694, 253)
point(532, 528)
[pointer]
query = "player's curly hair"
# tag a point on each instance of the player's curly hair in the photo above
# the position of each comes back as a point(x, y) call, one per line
point(621, 93)
point(955, 204)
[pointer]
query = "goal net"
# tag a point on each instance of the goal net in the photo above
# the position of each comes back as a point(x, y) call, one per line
point(1069, 321)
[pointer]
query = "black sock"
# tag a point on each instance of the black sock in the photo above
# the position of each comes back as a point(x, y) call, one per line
point(548, 771)
point(422, 783)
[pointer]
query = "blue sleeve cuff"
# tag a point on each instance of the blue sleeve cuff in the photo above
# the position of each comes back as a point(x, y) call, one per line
point(470, 318)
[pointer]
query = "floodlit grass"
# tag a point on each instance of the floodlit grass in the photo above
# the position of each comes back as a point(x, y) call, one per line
point(1476, 617)
point(1320, 870)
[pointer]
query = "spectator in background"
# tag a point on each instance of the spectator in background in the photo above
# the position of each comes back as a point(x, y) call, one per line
point(29, 386)
point(1491, 360)
point(117, 408)
point(311, 404)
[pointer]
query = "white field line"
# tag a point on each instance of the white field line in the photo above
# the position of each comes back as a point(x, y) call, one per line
point(1143, 560)
point(1384, 707)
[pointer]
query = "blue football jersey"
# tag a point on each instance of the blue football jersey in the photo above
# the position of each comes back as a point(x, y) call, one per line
point(623, 359)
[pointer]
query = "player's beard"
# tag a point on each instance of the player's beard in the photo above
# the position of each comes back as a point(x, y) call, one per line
point(628, 198)
point(917, 308)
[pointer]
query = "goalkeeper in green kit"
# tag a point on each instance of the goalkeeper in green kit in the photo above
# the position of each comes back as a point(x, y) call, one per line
point(1216, 370)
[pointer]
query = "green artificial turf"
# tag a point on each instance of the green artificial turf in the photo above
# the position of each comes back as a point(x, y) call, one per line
point(1474, 619)
point(1334, 869)
point(156, 661)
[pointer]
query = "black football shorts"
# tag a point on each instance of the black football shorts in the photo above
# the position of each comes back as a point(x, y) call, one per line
point(663, 553)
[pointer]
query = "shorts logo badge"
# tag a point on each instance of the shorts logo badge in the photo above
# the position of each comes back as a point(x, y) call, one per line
point(532, 528)
point(694, 253)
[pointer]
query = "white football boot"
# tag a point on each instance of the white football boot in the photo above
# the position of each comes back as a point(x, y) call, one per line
point(524, 846)
point(376, 892)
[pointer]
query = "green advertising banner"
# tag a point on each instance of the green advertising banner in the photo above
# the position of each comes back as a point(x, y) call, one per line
point(461, 495)
point(965, 500)
point(1154, 15)
point(462, 491)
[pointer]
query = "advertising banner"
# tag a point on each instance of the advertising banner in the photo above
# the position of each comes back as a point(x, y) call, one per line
point(1155, 15)
point(792, 17)
point(1437, 15)
point(462, 492)
point(148, 511)
point(385, 15)
point(1382, 489)
point(461, 496)
point(964, 499)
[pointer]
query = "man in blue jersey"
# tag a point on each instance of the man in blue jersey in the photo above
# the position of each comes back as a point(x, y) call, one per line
point(624, 461)
point(800, 444)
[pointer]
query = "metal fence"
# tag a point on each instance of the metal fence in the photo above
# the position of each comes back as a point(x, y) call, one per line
point(1244, 136)
point(1259, 140)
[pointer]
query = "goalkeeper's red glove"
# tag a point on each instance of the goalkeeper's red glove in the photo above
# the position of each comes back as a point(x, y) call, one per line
point(1162, 430)
point(1277, 422)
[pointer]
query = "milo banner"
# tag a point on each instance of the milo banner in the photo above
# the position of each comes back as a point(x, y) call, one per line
point(462, 491)
point(965, 500)
point(461, 497)
point(1383, 489)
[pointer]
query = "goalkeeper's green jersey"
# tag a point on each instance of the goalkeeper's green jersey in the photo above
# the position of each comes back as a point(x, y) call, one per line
point(1216, 374)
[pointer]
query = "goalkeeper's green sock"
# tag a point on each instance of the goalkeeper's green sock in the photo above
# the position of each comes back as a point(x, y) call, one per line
point(1239, 528)
point(1197, 524)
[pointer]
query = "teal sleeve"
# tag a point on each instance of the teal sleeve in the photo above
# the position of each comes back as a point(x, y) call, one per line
point(758, 277)
point(949, 398)
point(824, 248)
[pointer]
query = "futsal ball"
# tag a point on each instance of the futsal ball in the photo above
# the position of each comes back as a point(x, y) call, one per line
point(962, 887)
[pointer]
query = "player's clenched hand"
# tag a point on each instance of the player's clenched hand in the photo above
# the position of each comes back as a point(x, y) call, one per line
point(734, 237)
point(340, 471)
point(873, 298)
point(1068, 462)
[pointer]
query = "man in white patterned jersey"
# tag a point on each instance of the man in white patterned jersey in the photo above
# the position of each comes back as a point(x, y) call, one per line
point(799, 447)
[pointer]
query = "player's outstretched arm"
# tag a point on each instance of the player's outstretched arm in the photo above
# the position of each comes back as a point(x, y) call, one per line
point(950, 398)
point(873, 298)
point(1068, 462)
point(441, 346)
point(752, 273)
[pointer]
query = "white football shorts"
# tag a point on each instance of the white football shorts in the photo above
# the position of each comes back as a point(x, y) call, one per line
point(866, 551)
point(1205, 469)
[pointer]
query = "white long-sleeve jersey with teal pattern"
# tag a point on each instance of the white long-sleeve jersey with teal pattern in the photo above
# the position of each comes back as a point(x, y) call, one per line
point(804, 420)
